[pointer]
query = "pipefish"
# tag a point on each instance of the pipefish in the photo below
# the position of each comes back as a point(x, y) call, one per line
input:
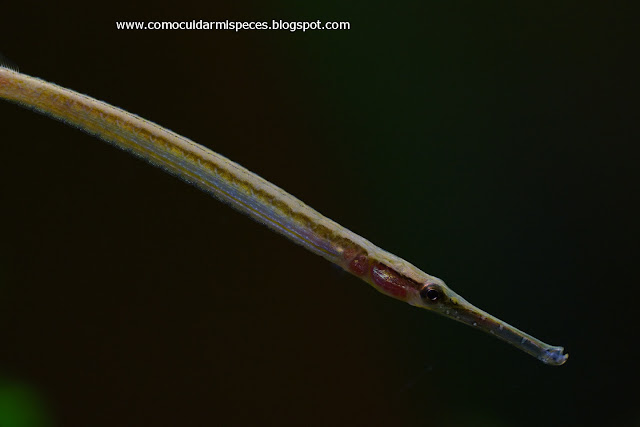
point(264, 202)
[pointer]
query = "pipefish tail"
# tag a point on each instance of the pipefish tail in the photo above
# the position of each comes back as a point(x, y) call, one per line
point(264, 202)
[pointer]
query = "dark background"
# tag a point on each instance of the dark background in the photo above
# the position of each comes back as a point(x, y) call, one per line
point(493, 145)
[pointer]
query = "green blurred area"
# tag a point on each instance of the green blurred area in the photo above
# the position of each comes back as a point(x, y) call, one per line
point(21, 406)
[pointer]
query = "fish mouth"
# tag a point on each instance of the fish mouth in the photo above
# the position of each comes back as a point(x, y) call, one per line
point(554, 356)
point(461, 310)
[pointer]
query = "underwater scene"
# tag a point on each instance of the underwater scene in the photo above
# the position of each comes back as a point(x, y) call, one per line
point(468, 171)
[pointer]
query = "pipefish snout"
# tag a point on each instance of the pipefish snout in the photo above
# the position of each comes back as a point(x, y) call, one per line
point(264, 202)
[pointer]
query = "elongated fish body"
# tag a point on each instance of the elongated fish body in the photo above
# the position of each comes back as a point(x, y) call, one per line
point(262, 201)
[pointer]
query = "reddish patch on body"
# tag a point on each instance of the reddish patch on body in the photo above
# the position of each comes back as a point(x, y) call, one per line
point(359, 265)
point(390, 282)
point(385, 278)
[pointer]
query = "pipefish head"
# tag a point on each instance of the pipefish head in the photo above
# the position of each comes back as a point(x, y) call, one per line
point(434, 295)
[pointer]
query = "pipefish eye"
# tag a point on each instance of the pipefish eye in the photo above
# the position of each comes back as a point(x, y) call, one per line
point(430, 293)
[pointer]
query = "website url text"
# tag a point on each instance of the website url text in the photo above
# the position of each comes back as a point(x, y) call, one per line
point(235, 25)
